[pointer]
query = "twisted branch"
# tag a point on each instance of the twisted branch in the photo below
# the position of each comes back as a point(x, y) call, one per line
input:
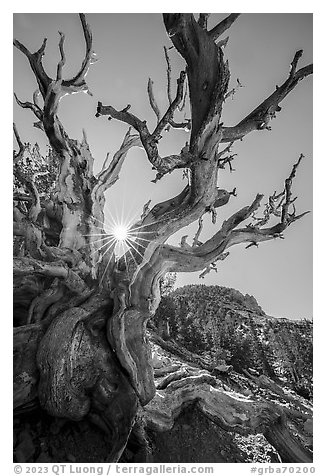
point(260, 117)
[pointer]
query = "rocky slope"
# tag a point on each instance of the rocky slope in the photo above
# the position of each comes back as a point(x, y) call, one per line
point(222, 324)
point(233, 385)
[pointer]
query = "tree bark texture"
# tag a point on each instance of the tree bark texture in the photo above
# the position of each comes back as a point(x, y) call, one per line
point(81, 347)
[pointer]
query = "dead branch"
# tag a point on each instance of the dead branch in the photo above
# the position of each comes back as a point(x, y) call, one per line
point(146, 210)
point(208, 269)
point(78, 82)
point(168, 74)
point(149, 141)
point(253, 243)
point(20, 153)
point(224, 25)
point(173, 106)
point(286, 217)
point(260, 117)
point(196, 241)
point(223, 43)
point(152, 100)
point(53, 90)
point(234, 90)
point(28, 183)
point(188, 259)
point(213, 266)
point(28, 105)
point(196, 258)
point(63, 57)
point(35, 60)
point(183, 243)
point(182, 106)
point(202, 20)
point(110, 174)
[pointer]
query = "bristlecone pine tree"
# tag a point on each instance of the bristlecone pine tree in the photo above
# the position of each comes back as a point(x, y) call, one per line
point(80, 340)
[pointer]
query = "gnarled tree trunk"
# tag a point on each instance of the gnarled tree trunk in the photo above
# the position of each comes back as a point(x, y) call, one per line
point(80, 347)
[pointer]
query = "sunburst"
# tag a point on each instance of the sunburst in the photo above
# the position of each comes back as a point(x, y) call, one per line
point(120, 232)
point(120, 236)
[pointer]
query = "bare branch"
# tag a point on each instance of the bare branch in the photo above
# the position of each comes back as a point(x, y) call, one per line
point(35, 60)
point(182, 106)
point(295, 61)
point(163, 165)
point(183, 125)
point(255, 233)
point(152, 100)
point(183, 243)
point(223, 43)
point(36, 95)
point(222, 161)
point(173, 106)
point(187, 259)
point(168, 73)
point(53, 90)
point(213, 266)
point(33, 107)
point(78, 83)
point(109, 175)
point(63, 57)
point(208, 269)
point(196, 241)
point(253, 243)
point(19, 154)
point(224, 25)
point(202, 20)
point(146, 210)
point(126, 117)
point(286, 217)
point(260, 117)
point(234, 90)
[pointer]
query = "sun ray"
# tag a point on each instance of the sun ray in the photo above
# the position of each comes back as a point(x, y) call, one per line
point(106, 267)
point(108, 263)
point(145, 239)
point(95, 241)
point(131, 244)
point(94, 218)
point(110, 242)
point(96, 234)
point(131, 254)
point(134, 240)
point(108, 237)
point(125, 258)
point(145, 225)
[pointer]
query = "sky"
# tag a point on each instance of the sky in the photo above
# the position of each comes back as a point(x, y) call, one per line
point(130, 49)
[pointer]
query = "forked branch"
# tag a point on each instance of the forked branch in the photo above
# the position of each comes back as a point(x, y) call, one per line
point(52, 90)
point(260, 117)
point(150, 140)
point(195, 258)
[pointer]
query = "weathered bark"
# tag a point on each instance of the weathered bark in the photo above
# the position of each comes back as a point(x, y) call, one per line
point(83, 314)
